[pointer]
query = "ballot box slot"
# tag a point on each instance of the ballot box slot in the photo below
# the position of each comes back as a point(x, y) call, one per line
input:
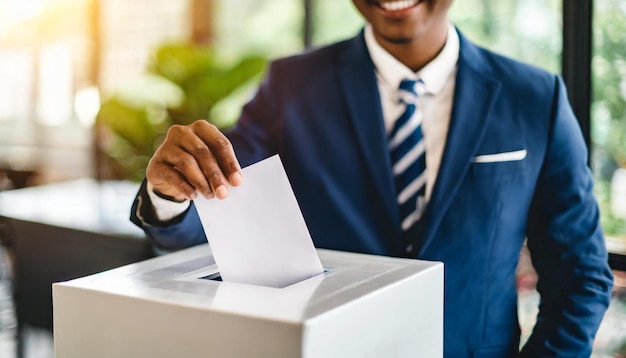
point(217, 277)
point(213, 277)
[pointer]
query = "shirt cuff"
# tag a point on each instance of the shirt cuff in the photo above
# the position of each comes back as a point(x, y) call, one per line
point(164, 209)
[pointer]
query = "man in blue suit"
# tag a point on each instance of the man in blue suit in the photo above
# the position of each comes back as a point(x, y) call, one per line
point(505, 162)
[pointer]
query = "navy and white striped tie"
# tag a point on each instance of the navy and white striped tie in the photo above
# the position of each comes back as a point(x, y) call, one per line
point(408, 156)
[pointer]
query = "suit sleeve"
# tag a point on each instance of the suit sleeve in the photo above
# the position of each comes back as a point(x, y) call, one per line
point(567, 244)
point(181, 232)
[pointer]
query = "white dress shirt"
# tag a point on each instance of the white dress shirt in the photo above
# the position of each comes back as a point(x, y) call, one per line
point(436, 106)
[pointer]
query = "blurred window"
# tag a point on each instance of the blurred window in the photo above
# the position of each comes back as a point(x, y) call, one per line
point(129, 33)
point(57, 58)
point(46, 58)
point(527, 30)
point(608, 117)
point(270, 27)
point(334, 20)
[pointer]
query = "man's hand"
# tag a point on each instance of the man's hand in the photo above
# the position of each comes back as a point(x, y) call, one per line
point(196, 158)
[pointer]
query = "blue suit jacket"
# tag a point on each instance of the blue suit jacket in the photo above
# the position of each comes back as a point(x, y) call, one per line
point(321, 112)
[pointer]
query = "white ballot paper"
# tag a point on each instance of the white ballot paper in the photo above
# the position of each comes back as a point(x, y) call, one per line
point(257, 234)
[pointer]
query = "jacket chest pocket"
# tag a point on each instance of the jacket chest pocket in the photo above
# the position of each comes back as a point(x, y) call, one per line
point(508, 163)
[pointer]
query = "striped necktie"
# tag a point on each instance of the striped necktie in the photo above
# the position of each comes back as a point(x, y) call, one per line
point(408, 156)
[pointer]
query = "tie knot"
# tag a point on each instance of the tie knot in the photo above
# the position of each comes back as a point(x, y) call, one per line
point(409, 91)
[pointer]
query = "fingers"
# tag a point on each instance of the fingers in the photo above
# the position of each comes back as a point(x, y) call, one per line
point(169, 182)
point(215, 157)
point(223, 152)
point(167, 179)
point(194, 158)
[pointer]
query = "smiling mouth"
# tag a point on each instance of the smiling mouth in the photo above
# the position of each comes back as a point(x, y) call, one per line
point(397, 5)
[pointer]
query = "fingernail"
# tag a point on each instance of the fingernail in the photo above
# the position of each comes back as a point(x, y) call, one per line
point(221, 192)
point(236, 179)
point(210, 195)
point(193, 196)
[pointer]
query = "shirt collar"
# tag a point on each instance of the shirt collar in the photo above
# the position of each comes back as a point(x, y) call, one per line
point(434, 74)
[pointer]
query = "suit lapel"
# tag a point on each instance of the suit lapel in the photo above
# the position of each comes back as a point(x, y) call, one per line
point(475, 93)
point(360, 89)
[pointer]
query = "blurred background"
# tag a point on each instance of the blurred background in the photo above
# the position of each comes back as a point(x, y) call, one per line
point(89, 87)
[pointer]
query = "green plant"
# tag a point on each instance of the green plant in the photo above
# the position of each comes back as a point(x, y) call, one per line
point(183, 83)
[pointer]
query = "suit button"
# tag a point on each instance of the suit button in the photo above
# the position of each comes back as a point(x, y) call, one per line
point(409, 249)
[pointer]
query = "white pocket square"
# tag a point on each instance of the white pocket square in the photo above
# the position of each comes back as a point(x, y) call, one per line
point(500, 157)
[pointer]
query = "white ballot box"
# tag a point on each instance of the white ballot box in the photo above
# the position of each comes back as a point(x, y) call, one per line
point(175, 306)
